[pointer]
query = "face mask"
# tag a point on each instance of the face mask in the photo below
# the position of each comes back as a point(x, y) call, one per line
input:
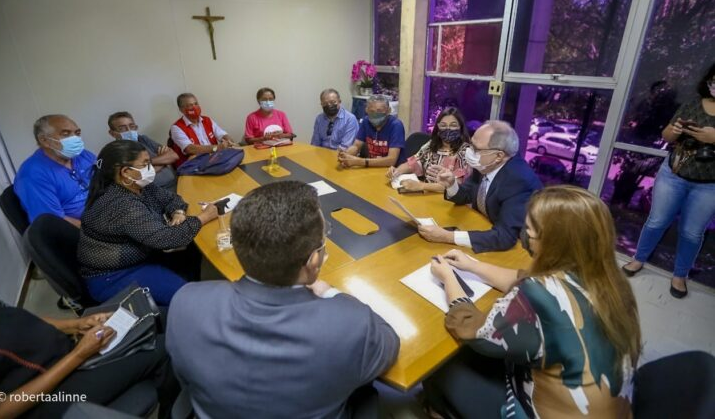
point(267, 105)
point(193, 112)
point(148, 173)
point(450, 135)
point(474, 160)
point(525, 242)
point(376, 119)
point(331, 110)
point(71, 146)
point(130, 135)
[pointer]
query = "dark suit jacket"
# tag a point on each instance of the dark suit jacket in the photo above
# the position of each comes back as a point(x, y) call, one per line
point(506, 204)
point(244, 349)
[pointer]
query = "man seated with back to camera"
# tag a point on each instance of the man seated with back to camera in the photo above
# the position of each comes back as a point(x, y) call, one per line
point(499, 188)
point(279, 342)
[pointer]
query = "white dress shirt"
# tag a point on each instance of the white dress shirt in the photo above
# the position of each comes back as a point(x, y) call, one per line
point(461, 238)
point(182, 140)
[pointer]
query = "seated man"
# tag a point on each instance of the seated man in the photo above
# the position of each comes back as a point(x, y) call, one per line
point(123, 127)
point(335, 127)
point(193, 133)
point(278, 342)
point(384, 135)
point(55, 179)
point(499, 188)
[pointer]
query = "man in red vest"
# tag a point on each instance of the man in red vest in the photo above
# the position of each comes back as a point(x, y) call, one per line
point(193, 133)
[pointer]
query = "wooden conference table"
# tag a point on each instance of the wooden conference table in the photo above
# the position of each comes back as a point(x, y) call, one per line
point(375, 277)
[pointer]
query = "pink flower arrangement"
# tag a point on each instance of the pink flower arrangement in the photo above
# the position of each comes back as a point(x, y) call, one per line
point(363, 73)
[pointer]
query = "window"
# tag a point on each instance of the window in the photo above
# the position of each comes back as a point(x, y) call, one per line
point(577, 37)
point(454, 10)
point(470, 97)
point(386, 48)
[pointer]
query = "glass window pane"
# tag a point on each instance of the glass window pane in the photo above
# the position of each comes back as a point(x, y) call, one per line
point(670, 64)
point(453, 10)
point(470, 97)
point(387, 32)
point(577, 37)
point(553, 122)
point(628, 192)
point(471, 49)
point(387, 84)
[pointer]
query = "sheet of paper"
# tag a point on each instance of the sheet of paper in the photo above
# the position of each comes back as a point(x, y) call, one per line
point(430, 288)
point(121, 321)
point(233, 200)
point(396, 181)
point(426, 221)
point(277, 142)
point(322, 187)
point(419, 221)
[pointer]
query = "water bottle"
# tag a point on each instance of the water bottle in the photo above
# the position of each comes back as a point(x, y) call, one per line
point(223, 235)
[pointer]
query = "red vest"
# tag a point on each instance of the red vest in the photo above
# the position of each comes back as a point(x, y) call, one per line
point(208, 128)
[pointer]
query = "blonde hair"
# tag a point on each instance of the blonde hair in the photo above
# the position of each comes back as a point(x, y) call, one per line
point(576, 234)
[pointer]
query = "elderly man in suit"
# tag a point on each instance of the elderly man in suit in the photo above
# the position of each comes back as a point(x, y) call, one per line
point(499, 189)
point(278, 343)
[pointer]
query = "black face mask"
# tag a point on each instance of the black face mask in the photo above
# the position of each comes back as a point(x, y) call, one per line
point(524, 237)
point(331, 110)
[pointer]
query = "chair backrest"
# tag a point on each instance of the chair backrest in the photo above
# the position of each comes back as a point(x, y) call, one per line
point(677, 386)
point(414, 142)
point(12, 208)
point(52, 243)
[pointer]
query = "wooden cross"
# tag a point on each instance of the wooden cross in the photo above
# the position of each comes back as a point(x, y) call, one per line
point(210, 20)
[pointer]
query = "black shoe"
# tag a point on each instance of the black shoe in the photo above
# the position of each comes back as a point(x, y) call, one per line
point(629, 273)
point(678, 293)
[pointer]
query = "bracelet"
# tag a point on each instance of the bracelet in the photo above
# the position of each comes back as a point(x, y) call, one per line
point(459, 301)
point(367, 163)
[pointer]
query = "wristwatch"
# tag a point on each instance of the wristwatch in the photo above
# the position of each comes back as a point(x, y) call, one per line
point(214, 149)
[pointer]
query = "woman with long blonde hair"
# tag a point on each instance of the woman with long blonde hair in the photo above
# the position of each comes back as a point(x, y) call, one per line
point(567, 328)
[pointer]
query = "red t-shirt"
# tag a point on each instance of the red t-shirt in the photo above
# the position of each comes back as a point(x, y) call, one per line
point(256, 123)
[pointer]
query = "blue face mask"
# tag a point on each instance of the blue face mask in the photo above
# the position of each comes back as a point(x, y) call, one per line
point(71, 146)
point(377, 118)
point(266, 105)
point(130, 135)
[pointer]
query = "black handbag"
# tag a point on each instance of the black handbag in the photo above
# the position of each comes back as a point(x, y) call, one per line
point(142, 335)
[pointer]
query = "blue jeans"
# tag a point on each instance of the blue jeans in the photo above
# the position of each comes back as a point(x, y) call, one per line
point(162, 282)
point(673, 195)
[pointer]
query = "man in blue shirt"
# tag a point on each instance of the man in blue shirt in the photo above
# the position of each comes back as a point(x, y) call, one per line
point(384, 135)
point(335, 127)
point(55, 178)
point(122, 127)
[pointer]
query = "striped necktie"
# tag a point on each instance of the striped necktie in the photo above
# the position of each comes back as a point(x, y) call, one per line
point(482, 196)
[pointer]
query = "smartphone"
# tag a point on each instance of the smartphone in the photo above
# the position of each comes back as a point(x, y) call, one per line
point(465, 287)
point(689, 124)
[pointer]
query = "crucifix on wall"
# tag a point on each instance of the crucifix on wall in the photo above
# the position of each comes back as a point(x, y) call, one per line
point(210, 20)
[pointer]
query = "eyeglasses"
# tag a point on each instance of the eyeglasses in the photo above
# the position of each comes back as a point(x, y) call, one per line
point(125, 128)
point(74, 176)
point(333, 103)
point(481, 150)
point(327, 229)
point(330, 128)
point(450, 126)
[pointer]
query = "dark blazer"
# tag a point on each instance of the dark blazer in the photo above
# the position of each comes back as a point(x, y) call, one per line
point(244, 349)
point(506, 204)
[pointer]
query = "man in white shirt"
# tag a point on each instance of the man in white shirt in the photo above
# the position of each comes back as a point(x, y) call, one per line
point(194, 133)
point(499, 189)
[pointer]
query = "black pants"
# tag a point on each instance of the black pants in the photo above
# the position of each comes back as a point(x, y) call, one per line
point(469, 385)
point(105, 383)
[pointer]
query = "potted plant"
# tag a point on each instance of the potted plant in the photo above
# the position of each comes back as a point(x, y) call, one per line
point(364, 76)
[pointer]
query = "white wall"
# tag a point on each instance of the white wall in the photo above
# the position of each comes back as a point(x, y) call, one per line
point(89, 58)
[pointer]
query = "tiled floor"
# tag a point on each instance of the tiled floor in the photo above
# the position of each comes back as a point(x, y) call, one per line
point(668, 326)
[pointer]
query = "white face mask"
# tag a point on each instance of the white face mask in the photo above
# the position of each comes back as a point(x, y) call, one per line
point(148, 173)
point(474, 159)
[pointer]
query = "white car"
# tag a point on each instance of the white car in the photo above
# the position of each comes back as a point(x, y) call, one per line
point(562, 145)
point(539, 127)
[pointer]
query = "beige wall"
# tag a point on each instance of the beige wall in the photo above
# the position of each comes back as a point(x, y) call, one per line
point(88, 58)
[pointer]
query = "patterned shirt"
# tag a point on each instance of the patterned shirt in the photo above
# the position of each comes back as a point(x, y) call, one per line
point(121, 229)
point(425, 157)
point(559, 361)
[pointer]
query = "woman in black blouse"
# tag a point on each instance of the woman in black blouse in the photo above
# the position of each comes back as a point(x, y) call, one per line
point(128, 222)
point(39, 356)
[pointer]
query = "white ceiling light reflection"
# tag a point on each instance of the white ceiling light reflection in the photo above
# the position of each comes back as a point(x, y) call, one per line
point(363, 291)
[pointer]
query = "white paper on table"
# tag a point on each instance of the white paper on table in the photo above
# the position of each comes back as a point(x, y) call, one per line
point(419, 221)
point(396, 181)
point(233, 200)
point(322, 187)
point(426, 221)
point(121, 321)
point(430, 288)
